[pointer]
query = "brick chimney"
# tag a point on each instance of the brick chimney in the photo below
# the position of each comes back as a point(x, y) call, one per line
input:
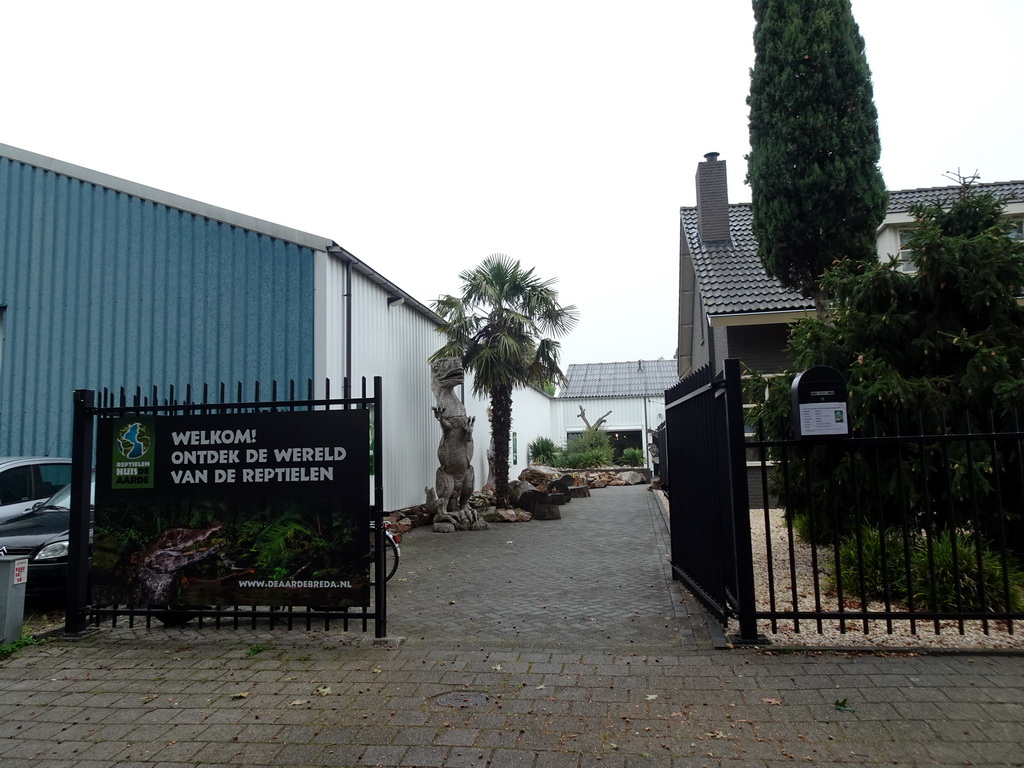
point(712, 200)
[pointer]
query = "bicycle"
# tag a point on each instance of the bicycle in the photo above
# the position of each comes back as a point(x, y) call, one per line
point(392, 550)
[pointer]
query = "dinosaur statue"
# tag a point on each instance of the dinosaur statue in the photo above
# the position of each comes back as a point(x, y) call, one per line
point(155, 569)
point(455, 476)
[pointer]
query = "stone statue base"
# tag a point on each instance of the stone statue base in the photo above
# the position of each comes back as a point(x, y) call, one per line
point(449, 522)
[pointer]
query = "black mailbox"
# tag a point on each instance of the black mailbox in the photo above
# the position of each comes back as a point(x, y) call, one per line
point(818, 397)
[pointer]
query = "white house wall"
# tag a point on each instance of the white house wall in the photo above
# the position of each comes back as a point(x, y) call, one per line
point(888, 236)
point(531, 418)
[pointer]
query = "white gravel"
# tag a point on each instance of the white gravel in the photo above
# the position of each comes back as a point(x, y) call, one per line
point(877, 634)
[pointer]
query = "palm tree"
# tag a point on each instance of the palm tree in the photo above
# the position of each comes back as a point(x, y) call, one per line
point(497, 328)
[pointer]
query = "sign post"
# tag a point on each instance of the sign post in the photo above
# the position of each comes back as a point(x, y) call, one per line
point(13, 579)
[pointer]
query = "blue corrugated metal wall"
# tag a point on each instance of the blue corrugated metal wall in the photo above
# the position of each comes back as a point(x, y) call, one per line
point(99, 288)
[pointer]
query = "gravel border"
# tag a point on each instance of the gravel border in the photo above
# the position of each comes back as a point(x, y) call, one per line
point(832, 637)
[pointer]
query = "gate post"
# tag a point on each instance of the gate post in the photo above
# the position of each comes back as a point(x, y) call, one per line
point(740, 503)
point(78, 533)
point(381, 594)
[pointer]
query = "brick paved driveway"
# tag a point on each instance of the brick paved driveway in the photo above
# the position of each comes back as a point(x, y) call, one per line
point(598, 579)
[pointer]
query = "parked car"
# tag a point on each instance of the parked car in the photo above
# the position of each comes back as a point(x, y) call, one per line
point(41, 535)
point(24, 480)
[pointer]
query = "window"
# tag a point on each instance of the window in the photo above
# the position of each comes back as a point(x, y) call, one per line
point(52, 478)
point(905, 265)
point(16, 484)
point(1017, 232)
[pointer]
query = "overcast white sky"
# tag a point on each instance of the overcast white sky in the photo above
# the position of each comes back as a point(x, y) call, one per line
point(423, 136)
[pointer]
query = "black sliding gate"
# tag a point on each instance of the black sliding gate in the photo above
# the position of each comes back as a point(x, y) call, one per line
point(251, 512)
point(707, 486)
point(916, 525)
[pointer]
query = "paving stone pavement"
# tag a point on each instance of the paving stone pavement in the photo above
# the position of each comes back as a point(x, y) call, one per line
point(544, 644)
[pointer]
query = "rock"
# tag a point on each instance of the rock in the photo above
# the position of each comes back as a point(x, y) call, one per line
point(538, 476)
point(494, 515)
point(507, 516)
point(631, 477)
point(601, 483)
point(414, 517)
point(400, 524)
point(616, 482)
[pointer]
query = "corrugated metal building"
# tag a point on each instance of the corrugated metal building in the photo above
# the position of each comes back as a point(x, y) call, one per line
point(633, 391)
point(105, 283)
point(108, 283)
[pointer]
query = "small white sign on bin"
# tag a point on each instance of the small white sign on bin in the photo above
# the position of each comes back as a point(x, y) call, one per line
point(823, 419)
point(20, 572)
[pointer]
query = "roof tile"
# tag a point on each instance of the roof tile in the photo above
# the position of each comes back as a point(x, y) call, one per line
point(732, 279)
point(634, 378)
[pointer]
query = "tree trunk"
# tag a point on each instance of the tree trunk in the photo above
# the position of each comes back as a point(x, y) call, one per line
point(525, 496)
point(821, 304)
point(501, 429)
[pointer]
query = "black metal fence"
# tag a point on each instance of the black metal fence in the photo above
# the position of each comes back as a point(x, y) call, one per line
point(292, 396)
point(919, 525)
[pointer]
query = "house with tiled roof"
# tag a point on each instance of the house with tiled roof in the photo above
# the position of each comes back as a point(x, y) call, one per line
point(634, 378)
point(729, 307)
point(629, 395)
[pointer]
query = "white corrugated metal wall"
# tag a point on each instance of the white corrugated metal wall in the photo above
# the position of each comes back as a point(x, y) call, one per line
point(627, 413)
point(392, 341)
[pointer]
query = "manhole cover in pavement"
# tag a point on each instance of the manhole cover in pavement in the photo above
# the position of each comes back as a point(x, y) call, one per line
point(462, 700)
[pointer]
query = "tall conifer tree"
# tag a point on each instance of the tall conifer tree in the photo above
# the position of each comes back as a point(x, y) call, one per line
point(817, 192)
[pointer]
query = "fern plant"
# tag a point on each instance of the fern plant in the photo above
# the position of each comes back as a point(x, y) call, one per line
point(543, 451)
point(633, 457)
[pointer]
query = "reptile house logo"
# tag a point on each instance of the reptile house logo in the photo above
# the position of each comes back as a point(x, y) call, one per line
point(132, 466)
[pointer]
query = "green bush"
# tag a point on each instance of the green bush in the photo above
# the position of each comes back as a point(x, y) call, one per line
point(955, 562)
point(633, 457)
point(884, 564)
point(590, 448)
point(587, 458)
point(544, 451)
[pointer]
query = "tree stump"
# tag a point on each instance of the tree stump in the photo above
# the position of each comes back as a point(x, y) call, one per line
point(525, 496)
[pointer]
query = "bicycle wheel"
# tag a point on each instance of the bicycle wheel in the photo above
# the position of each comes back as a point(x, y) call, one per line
point(390, 560)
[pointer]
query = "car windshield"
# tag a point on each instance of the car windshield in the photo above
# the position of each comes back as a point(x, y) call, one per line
point(62, 498)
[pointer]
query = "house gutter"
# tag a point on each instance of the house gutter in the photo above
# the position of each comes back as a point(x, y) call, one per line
point(759, 318)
